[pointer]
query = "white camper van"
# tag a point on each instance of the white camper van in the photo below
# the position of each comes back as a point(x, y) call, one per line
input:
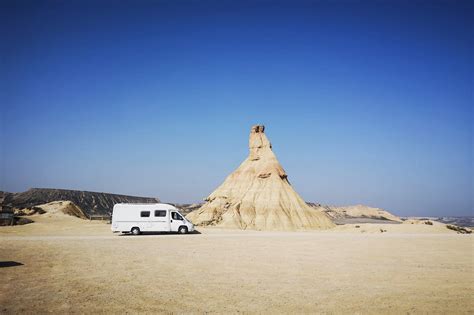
point(148, 217)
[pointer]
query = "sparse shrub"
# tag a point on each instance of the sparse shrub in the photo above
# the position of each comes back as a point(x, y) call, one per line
point(357, 226)
point(38, 210)
point(22, 221)
point(428, 223)
point(458, 229)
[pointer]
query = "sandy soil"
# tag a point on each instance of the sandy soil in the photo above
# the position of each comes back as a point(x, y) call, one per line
point(75, 266)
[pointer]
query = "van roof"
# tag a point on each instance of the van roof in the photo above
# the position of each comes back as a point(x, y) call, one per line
point(141, 204)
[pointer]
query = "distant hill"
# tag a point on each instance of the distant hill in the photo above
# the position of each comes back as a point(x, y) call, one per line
point(466, 221)
point(91, 203)
point(186, 208)
point(356, 214)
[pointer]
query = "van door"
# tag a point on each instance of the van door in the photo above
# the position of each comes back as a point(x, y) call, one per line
point(176, 220)
point(145, 224)
point(160, 221)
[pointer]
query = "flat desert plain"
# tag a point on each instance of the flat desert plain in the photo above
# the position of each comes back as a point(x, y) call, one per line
point(62, 264)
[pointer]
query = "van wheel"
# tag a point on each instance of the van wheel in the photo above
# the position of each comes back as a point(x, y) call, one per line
point(135, 231)
point(182, 230)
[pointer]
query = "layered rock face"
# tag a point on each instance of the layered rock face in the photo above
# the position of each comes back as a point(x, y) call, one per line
point(91, 203)
point(258, 196)
point(361, 211)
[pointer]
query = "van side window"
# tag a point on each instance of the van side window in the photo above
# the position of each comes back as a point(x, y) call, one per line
point(176, 216)
point(160, 213)
point(145, 214)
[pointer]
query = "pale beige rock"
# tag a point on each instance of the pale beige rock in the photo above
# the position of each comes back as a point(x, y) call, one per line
point(360, 211)
point(258, 196)
point(65, 207)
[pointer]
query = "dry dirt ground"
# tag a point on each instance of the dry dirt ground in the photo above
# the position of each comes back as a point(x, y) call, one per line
point(74, 266)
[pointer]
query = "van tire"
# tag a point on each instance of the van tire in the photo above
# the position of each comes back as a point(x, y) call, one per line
point(183, 230)
point(135, 231)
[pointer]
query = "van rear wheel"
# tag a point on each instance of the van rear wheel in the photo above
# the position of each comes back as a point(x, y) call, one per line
point(182, 230)
point(135, 231)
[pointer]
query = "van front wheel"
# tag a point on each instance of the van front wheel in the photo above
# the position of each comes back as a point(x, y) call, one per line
point(135, 231)
point(182, 230)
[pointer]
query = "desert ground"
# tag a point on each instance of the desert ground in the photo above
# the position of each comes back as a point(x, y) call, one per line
point(62, 264)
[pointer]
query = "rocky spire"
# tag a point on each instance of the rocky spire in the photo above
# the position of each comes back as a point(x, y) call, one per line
point(257, 195)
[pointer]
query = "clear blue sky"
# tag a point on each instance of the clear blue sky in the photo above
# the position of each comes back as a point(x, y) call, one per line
point(364, 102)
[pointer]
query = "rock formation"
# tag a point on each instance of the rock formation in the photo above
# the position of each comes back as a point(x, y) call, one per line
point(61, 207)
point(339, 214)
point(91, 203)
point(257, 195)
